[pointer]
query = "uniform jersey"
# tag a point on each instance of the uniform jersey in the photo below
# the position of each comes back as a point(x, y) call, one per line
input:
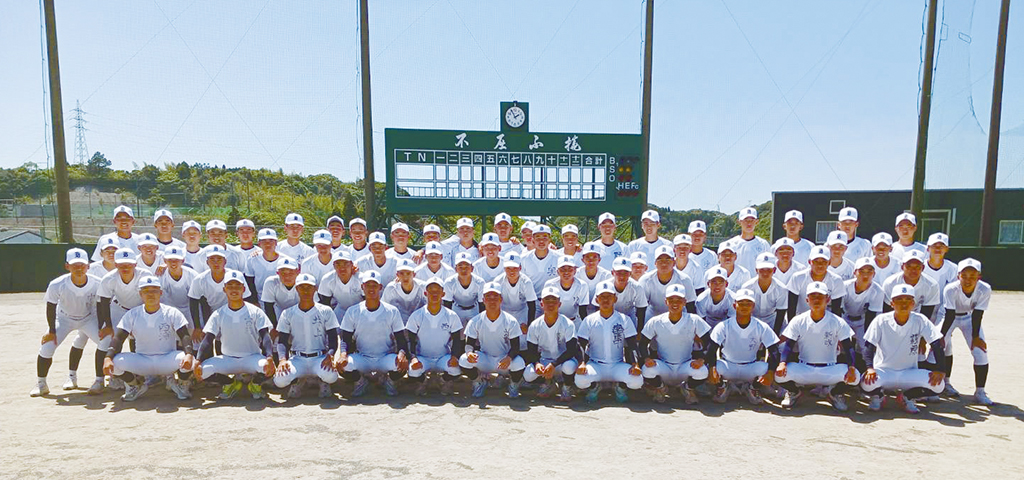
point(926, 292)
point(299, 251)
point(768, 302)
point(175, 242)
point(591, 283)
point(97, 269)
point(359, 252)
point(714, 313)
point(783, 277)
point(234, 258)
point(654, 289)
point(244, 254)
point(540, 270)
point(706, 259)
point(511, 247)
point(856, 305)
point(434, 332)
point(747, 251)
point(695, 272)
point(176, 291)
point(140, 264)
point(741, 344)
point(313, 267)
point(515, 297)
point(844, 270)
point(343, 248)
point(897, 345)
point(387, 271)
point(374, 331)
point(482, 270)
point(899, 251)
point(857, 248)
point(647, 248)
point(818, 342)
point(956, 300)
point(123, 295)
point(405, 302)
point(469, 296)
point(154, 333)
point(799, 282)
point(196, 260)
point(454, 248)
point(204, 286)
point(74, 302)
point(675, 339)
point(577, 256)
point(443, 271)
point(282, 296)
point(551, 340)
point(495, 336)
point(628, 299)
point(883, 273)
point(408, 254)
point(610, 252)
point(738, 277)
point(131, 242)
point(308, 328)
point(606, 337)
point(238, 330)
point(802, 250)
point(572, 298)
point(260, 269)
point(943, 276)
point(343, 295)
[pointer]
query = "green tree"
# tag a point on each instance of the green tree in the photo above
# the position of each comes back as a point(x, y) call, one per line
point(98, 166)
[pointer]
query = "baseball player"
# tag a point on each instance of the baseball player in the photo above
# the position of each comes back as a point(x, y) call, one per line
point(377, 260)
point(463, 291)
point(192, 233)
point(106, 264)
point(434, 266)
point(771, 299)
point(862, 303)
point(679, 360)
point(124, 220)
point(217, 233)
point(655, 284)
point(591, 274)
point(243, 330)
point(489, 266)
point(357, 230)
point(175, 283)
point(573, 294)
point(637, 265)
point(336, 225)
point(551, 348)
point(431, 233)
point(98, 270)
point(245, 230)
point(341, 288)
point(526, 232)
point(608, 346)
point(739, 339)
point(630, 297)
point(434, 334)
point(405, 292)
point(727, 259)
point(704, 257)
point(163, 222)
point(293, 246)
point(838, 263)
point(541, 263)
point(309, 334)
point(400, 241)
point(926, 290)
point(373, 340)
point(492, 345)
point(323, 262)
point(681, 246)
point(906, 229)
point(150, 259)
point(939, 269)
point(885, 265)
point(746, 245)
point(785, 263)
point(206, 294)
point(571, 243)
point(715, 303)
point(119, 289)
point(462, 241)
point(261, 267)
point(890, 354)
point(518, 295)
point(71, 306)
point(503, 228)
point(793, 223)
point(857, 247)
point(650, 222)
point(279, 290)
point(818, 272)
point(966, 300)
point(157, 330)
point(609, 247)
point(818, 335)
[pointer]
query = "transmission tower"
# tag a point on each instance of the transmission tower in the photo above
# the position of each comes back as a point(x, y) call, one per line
point(81, 148)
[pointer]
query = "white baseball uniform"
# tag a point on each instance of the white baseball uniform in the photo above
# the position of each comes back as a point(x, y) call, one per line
point(260, 269)
point(802, 250)
point(131, 242)
point(844, 270)
point(308, 330)
point(799, 282)
point(856, 248)
point(433, 340)
point(550, 341)
point(123, 296)
point(964, 306)
point(156, 342)
point(783, 277)
point(486, 272)
point(895, 360)
point(591, 283)
point(609, 252)
point(465, 299)
point(715, 312)
point(495, 337)
point(175, 292)
point(514, 298)
point(707, 259)
point(738, 277)
point(300, 251)
point(675, 348)
point(654, 289)
point(312, 266)
point(857, 304)
point(374, 334)
point(882, 273)
point(647, 248)
point(239, 334)
point(540, 270)
point(387, 270)
point(768, 302)
point(343, 294)
point(818, 343)
point(628, 300)
point(943, 276)
point(739, 347)
point(572, 298)
point(405, 301)
point(444, 271)
point(926, 292)
point(282, 296)
point(606, 342)
point(899, 250)
point(747, 252)
point(76, 312)
point(204, 286)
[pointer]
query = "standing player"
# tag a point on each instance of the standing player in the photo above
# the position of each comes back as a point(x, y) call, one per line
point(156, 329)
point(679, 361)
point(608, 346)
point(857, 247)
point(681, 246)
point(71, 306)
point(541, 263)
point(630, 297)
point(906, 228)
point(518, 296)
point(571, 243)
point(526, 232)
point(728, 260)
point(573, 294)
point(244, 333)
point(551, 348)
point(492, 345)
point(771, 299)
point(503, 227)
point(336, 226)
point(150, 259)
point(489, 266)
point(462, 241)
point(637, 265)
point(885, 265)
point(818, 335)
point(838, 262)
point(373, 340)
point(740, 339)
point(309, 334)
point(704, 257)
point(175, 283)
point(245, 230)
point(320, 264)
point(261, 267)
point(400, 240)
point(609, 247)
point(118, 292)
point(785, 264)
point(890, 354)
point(926, 290)
point(340, 289)
point(591, 274)
point(357, 230)
point(217, 233)
point(463, 291)
point(377, 260)
point(207, 293)
point(163, 222)
point(818, 272)
point(862, 303)
point(192, 233)
point(650, 222)
point(433, 332)
point(124, 220)
point(715, 304)
point(793, 223)
point(406, 292)
point(279, 291)
point(746, 245)
point(939, 269)
point(434, 266)
point(100, 268)
point(966, 301)
point(293, 245)
point(656, 283)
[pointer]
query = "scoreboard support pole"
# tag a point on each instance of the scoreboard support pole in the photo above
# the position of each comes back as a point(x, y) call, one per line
point(645, 115)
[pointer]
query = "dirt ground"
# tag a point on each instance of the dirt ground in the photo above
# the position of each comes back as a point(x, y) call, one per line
point(70, 433)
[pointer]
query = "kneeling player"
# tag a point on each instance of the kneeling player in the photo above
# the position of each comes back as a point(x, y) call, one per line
point(433, 332)
point(891, 345)
point(492, 345)
point(370, 332)
point(739, 339)
point(677, 362)
point(156, 352)
point(551, 347)
point(607, 339)
point(308, 333)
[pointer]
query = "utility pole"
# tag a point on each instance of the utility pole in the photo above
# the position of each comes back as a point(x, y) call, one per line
point(645, 113)
point(988, 199)
point(60, 163)
point(917, 194)
point(368, 181)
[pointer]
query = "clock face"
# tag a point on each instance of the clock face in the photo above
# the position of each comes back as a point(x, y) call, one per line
point(515, 117)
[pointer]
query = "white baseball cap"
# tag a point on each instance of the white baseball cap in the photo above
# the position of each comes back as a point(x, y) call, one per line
point(341, 255)
point(590, 247)
point(570, 228)
point(432, 247)
point(541, 228)
point(914, 255)
point(492, 287)
point(764, 260)
point(76, 255)
point(191, 224)
point(621, 263)
point(124, 255)
point(215, 251)
point(743, 294)
point(406, 265)
point(435, 280)
point(174, 253)
point(697, 225)
point(399, 226)
point(464, 222)
point(294, 219)
point(605, 287)
point(124, 209)
point(377, 237)
point(819, 251)
point(902, 290)
point(836, 237)
point(287, 263)
point(881, 237)
point(906, 216)
point(529, 225)
point(747, 212)
point(637, 257)
point(502, 217)
point(305, 279)
point(355, 221)
point(109, 242)
point(266, 234)
point(863, 262)
point(938, 237)
point(149, 281)
point(566, 261)
point(233, 276)
point(726, 245)
point(147, 239)
point(606, 216)
point(817, 287)
point(716, 272)
point(215, 225)
point(370, 276)
point(335, 218)
point(968, 263)
point(162, 213)
point(245, 222)
point(511, 260)
point(682, 239)
point(431, 228)
point(549, 292)
point(848, 213)
point(783, 242)
point(675, 290)
point(651, 215)
point(463, 257)
point(797, 214)
point(490, 238)
point(322, 237)
point(664, 250)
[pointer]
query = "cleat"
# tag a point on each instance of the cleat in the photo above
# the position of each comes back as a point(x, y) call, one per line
point(479, 387)
point(40, 389)
point(421, 390)
point(154, 380)
point(876, 403)
point(660, 394)
point(133, 392)
point(820, 392)
point(180, 388)
point(950, 392)
point(981, 397)
point(545, 390)
point(495, 381)
point(72, 383)
point(689, 395)
point(593, 393)
point(325, 391)
point(704, 390)
point(230, 390)
point(513, 389)
point(295, 391)
point(620, 394)
point(791, 398)
point(722, 394)
point(389, 386)
point(447, 387)
point(566, 394)
point(753, 397)
point(360, 387)
point(116, 383)
point(256, 390)
point(930, 399)
point(97, 387)
point(838, 402)
point(910, 407)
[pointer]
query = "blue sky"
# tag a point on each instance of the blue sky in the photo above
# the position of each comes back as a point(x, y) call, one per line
point(748, 96)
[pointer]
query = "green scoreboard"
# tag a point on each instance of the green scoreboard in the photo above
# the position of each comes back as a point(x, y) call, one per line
point(455, 172)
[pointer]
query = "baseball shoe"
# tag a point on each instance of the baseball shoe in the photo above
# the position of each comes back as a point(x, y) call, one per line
point(390, 389)
point(820, 392)
point(753, 397)
point(256, 390)
point(722, 394)
point(180, 388)
point(907, 404)
point(116, 383)
point(513, 389)
point(791, 398)
point(838, 402)
point(593, 393)
point(447, 387)
point(72, 383)
point(479, 387)
point(930, 399)
point(133, 392)
point(950, 392)
point(620, 394)
point(421, 389)
point(689, 395)
point(566, 394)
point(40, 389)
point(154, 380)
point(704, 390)
point(660, 394)
point(325, 391)
point(230, 390)
point(546, 389)
point(495, 381)
point(981, 397)
point(97, 387)
point(876, 403)
point(360, 388)
point(295, 391)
